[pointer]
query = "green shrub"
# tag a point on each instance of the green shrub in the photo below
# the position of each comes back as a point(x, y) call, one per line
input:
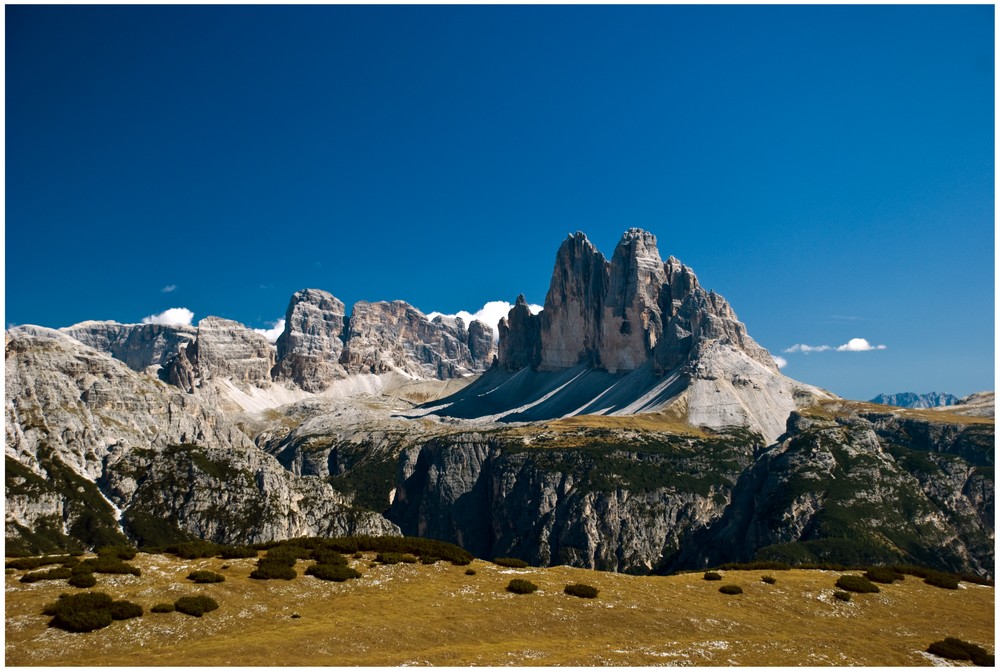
point(162, 608)
point(106, 564)
point(270, 570)
point(388, 557)
point(470, 571)
point(755, 566)
point(429, 560)
point(408, 559)
point(712, 575)
point(510, 562)
point(237, 552)
point(58, 573)
point(194, 550)
point(519, 586)
point(769, 579)
point(29, 563)
point(332, 572)
point(125, 610)
point(731, 589)
point(80, 612)
point(324, 556)
point(205, 577)
point(195, 605)
point(943, 580)
point(82, 580)
point(883, 574)
point(843, 596)
point(359, 555)
point(117, 551)
point(856, 583)
point(953, 648)
point(581, 590)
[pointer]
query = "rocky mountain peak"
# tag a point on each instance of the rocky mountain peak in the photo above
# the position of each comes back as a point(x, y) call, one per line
point(310, 347)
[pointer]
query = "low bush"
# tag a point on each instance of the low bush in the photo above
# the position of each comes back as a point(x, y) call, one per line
point(408, 559)
point(271, 570)
point(80, 612)
point(769, 579)
point(332, 572)
point(429, 560)
point(388, 557)
point(883, 574)
point(359, 555)
point(581, 590)
point(82, 580)
point(58, 573)
point(117, 551)
point(755, 566)
point(205, 577)
point(470, 571)
point(510, 562)
point(712, 575)
point(194, 550)
point(125, 610)
point(30, 563)
point(288, 554)
point(953, 648)
point(195, 605)
point(856, 583)
point(519, 586)
point(731, 589)
point(842, 596)
point(106, 564)
point(237, 552)
point(162, 608)
point(943, 580)
point(324, 556)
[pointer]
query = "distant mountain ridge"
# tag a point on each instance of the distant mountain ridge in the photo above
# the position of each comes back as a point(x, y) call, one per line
point(908, 399)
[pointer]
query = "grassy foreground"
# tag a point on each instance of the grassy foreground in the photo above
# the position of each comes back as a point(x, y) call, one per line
point(416, 614)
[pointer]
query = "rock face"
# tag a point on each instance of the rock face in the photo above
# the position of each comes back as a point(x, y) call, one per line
point(620, 505)
point(89, 442)
point(310, 347)
point(395, 336)
point(520, 332)
point(861, 489)
point(142, 347)
point(223, 350)
point(910, 400)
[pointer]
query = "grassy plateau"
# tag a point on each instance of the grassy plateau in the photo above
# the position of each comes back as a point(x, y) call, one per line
point(439, 614)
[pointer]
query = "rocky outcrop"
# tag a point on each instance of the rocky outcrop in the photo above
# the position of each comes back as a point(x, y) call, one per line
point(622, 504)
point(223, 350)
point(395, 336)
point(861, 489)
point(520, 342)
point(980, 404)
point(310, 347)
point(95, 450)
point(146, 348)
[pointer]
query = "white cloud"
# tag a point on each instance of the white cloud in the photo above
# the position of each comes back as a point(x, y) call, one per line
point(167, 289)
point(858, 345)
point(779, 361)
point(852, 345)
point(272, 333)
point(489, 313)
point(172, 317)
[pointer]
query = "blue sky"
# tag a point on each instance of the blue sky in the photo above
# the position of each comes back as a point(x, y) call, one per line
point(829, 170)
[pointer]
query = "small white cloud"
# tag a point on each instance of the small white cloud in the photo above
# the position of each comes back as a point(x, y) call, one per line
point(491, 313)
point(806, 348)
point(779, 361)
point(858, 345)
point(167, 289)
point(852, 345)
point(171, 317)
point(277, 327)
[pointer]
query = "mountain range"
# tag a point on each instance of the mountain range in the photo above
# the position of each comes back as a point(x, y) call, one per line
point(631, 425)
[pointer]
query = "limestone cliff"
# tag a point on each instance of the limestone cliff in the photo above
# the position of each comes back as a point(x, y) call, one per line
point(310, 347)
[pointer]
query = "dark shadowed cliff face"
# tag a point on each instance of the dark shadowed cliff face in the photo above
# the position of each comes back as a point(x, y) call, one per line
point(860, 490)
point(620, 502)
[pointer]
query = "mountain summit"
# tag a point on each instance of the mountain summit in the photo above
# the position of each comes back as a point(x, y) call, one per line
point(634, 334)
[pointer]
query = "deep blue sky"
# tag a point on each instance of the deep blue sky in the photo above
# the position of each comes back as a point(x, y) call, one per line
point(827, 169)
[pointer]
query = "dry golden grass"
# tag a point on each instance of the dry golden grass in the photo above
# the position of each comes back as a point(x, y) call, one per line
point(835, 408)
point(415, 614)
